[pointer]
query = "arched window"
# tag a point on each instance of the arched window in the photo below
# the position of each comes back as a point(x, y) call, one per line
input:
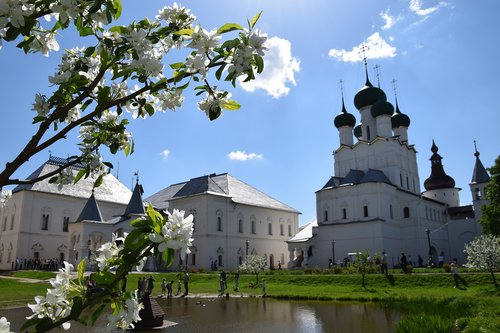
point(282, 231)
point(479, 196)
point(406, 212)
point(290, 230)
point(219, 220)
point(325, 215)
point(270, 228)
point(253, 227)
point(45, 221)
point(367, 132)
point(240, 226)
point(365, 211)
point(391, 213)
point(65, 223)
point(344, 213)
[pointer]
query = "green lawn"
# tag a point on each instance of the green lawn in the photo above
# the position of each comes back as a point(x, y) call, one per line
point(428, 299)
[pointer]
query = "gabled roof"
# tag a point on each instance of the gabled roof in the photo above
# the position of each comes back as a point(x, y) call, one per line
point(91, 211)
point(111, 189)
point(304, 234)
point(221, 185)
point(352, 177)
point(355, 177)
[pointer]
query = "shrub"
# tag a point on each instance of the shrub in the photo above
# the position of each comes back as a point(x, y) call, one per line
point(447, 268)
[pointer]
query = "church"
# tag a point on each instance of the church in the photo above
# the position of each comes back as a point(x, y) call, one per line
point(374, 202)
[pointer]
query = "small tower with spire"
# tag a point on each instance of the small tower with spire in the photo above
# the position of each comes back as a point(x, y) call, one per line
point(439, 186)
point(399, 121)
point(344, 122)
point(480, 179)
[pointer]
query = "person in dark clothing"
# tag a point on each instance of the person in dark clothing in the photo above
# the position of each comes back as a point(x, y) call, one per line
point(404, 262)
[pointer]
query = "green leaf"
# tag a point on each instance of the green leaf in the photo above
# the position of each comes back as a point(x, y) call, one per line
point(98, 181)
point(229, 27)
point(117, 6)
point(86, 31)
point(260, 63)
point(177, 65)
point(231, 105)
point(149, 109)
point(77, 307)
point(53, 180)
point(29, 322)
point(219, 71)
point(133, 238)
point(255, 19)
point(89, 51)
point(168, 257)
point(119, 28)
point(103, 279)
point(97, 313)
point(184, 32)
point(81, 270)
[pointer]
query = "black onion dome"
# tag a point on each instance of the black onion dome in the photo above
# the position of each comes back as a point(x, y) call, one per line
point(344, 118)
point(400, 119)
point(438, 178)
point(357, 131)
point(380, 108)
point(368, 95)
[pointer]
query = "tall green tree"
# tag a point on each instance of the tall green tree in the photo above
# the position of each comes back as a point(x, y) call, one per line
point(491, 212)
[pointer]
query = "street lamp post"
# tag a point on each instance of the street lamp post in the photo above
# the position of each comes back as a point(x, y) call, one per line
point(429, 242)
point(333, 252)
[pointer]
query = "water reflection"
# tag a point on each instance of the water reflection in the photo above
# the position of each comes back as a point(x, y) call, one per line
point(259, 315)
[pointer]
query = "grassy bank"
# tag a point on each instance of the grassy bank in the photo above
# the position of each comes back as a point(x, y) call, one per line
point(428, 299)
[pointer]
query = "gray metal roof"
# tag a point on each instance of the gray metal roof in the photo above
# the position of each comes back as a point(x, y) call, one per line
point(222, 185)
point(480, 175)
point(111, 189)
point(90, 211)
point(355, 177)
point(136, 206)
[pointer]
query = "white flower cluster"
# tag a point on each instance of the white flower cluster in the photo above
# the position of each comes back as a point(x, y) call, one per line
point(44, 41)
point(212, 102)
point(4, 325)
point(74, 62)
point(13, 12)
point(147, 59)
point(176, 233)
point(242, 57)
point(176, 15)
point(65, 177)
point(204, 41)
point(65, 10)
point(127, 315)
point(41, 106)
point(55, 305)
point(5, 195)
point(107, 253)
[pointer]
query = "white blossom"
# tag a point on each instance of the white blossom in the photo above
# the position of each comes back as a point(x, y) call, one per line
point(4, 325)
point(44, 41)
point(176, 233)
point(73, 114)
point(197, 64)
point(65, 10)
point(177, 15)
point(203, 41)
point(108, 252)
point(170, 99)
point(16, 10)
point(213, 102)
point(127, 315)
point(5, 195)
point(65, 177)
point(41, 106)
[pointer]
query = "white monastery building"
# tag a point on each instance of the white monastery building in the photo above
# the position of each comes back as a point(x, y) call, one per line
point(374, 202)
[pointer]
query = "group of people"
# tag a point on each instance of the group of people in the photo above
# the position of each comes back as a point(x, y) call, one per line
point(146, 286)
point(39, 264)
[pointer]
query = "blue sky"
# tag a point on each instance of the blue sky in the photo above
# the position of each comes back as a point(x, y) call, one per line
point(443, 55)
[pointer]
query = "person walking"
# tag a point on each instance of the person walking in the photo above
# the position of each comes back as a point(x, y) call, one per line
point(186, 283)
point(384, 263)
point(144, 285)
point(264, 287)
point(150, 284)
point(139, 287)
point(179, 290)
point(163, 287)
point(404, 262)
point(169, 288)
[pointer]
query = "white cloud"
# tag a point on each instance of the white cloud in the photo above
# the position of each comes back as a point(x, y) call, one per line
point(242, 156)
point(416, 7)
point(388, 19)
point(165, 153)
point(279, 69)
point(377, 48)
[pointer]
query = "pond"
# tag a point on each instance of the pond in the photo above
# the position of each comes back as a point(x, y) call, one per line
point(257, 315)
